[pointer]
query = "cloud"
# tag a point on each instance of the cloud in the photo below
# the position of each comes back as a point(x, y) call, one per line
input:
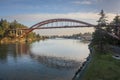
point(82, 2)
point(39, 17)
point(89, 17)
point(110, 16)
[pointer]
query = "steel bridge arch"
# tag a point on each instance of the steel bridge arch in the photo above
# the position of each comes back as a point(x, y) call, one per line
point(59, 20)
point(40, 24)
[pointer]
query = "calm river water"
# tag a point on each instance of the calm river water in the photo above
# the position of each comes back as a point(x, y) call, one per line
point(51, 59)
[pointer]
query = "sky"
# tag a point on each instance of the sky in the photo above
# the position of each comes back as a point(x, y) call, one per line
point(30, 12)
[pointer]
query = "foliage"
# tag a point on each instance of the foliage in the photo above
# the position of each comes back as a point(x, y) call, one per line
point(114, 28)
point(116, 23)
point(4, 25)
point(104, 67)
point(102, 20)
point(8, 29)
point(100, 36)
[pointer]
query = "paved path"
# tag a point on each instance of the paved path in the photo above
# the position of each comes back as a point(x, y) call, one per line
point(116, 50)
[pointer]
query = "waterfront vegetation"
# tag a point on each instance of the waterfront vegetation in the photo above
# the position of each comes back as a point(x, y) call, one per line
point(8, 32)
point(102, 65)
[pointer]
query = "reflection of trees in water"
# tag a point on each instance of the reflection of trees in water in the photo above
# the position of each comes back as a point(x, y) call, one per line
point(3, 52)
point(56, 62)
point(13, 50)
point(21, 49)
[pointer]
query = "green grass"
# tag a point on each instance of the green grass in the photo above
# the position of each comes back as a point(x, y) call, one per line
point(102, 67)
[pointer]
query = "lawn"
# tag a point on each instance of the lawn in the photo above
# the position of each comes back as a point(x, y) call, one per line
point(102, 67)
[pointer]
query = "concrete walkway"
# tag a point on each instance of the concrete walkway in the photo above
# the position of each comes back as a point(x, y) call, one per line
point(116, 51)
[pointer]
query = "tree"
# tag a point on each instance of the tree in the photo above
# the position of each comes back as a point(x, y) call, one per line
point(116, 24)
point(115, 29)
point(102, 20)
point(99, 37)
point(12, 30)
point(4, 25)
point(13, 25)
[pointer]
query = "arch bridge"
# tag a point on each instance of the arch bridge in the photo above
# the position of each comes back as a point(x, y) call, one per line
point(57, 23)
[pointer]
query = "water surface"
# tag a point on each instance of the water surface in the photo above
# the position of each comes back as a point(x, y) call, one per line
point(52, 59)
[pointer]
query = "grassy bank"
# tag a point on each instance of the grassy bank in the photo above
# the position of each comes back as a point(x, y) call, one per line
point(102, 67)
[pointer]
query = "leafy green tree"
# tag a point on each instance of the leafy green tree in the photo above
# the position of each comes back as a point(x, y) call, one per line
point(14, 24)
point(11, 30)
point(4, 25)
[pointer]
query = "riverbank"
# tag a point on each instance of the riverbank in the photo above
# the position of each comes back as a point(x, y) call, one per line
point(102, 67)
point(19, 40)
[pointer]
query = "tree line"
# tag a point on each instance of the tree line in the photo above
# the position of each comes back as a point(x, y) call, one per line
point(101, 38)
point(7, 29)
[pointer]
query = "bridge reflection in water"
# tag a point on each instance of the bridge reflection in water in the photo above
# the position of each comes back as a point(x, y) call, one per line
point(50, 61)
point(57, 62)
